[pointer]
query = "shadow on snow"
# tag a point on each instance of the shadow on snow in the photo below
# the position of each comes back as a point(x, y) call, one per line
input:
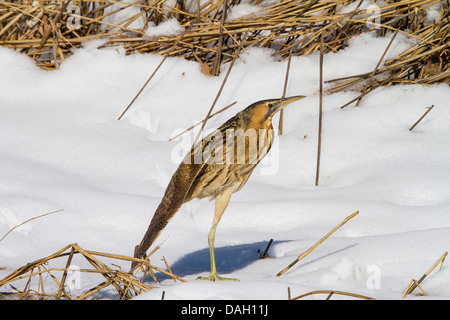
point(231, 258)
point(228, 260)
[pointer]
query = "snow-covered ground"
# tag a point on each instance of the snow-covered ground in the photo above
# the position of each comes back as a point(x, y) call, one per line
point(61, 147)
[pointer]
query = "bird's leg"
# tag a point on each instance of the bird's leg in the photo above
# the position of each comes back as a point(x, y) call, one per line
point(220, 206)
point(211, 237)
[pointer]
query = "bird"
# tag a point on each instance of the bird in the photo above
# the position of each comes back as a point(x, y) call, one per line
point(216, 167)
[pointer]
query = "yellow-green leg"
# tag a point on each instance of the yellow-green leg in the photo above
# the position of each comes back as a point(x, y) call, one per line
point(220, 206)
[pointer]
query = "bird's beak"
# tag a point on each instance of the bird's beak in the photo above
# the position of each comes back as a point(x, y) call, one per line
point(281, 103)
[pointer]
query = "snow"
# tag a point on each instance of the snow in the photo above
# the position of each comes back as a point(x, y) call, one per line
point(240, 10)
point(170, 27)
point(62, 147)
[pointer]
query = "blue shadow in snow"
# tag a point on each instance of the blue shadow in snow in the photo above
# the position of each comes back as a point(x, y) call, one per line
point(228, 259)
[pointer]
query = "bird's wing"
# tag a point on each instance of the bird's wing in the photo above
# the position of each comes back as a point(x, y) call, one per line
point(175, 194)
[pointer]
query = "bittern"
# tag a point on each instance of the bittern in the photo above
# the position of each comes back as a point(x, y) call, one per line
point(217, 167)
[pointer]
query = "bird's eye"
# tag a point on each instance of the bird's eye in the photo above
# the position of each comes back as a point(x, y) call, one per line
point(270, 105)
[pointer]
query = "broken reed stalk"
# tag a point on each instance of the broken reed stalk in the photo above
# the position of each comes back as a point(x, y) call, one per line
point(98, 265)
point(17, 226)
point(208, 115)
point(141, 261)
point(420, 287)
point(152, 75)
point(369, 83)
point(63, 279)
point(319, 142)
point(331, 292)
point(217, 60)
point(421, 118)
point(286, 79)
point(168, 267)
point(304, 254)
point(265, 253)
point(236, 54)
point(198, 123)
point(413, 284)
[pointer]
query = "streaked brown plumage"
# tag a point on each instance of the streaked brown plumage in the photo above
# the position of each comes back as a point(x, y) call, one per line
point(217, 167)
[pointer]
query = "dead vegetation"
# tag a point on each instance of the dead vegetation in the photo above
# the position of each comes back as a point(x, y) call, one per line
point(48, 31)
point(35, 284)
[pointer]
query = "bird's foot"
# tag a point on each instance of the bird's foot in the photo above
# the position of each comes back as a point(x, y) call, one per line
point(215, 277)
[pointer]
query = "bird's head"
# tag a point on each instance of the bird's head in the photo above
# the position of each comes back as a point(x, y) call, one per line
point(259, 114)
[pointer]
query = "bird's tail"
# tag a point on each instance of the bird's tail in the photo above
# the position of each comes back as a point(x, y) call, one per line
point(170, 204)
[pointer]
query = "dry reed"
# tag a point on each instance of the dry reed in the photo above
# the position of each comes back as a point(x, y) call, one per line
point(413, 284)
point(421, 118)
point(34, 218)
point(127, 284)
point(330, 293)
point(304, 254)
point(319, 134)
point(46, 32)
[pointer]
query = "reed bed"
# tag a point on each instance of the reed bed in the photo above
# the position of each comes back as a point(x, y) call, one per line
point(48, 31)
